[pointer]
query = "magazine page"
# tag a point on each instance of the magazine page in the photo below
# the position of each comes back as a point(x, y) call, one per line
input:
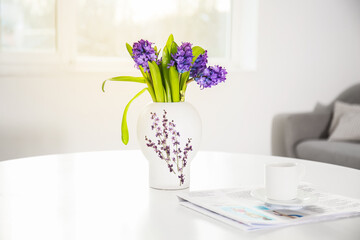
point(240, 206)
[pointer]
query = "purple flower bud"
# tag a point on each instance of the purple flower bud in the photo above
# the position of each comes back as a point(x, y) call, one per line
point(199, 65)
point(182, 59)
point(170, 167)
point(142, 53)
point(211, 76)
point(181, 178)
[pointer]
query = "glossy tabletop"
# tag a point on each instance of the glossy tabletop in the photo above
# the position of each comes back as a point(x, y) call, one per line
point(105, 195)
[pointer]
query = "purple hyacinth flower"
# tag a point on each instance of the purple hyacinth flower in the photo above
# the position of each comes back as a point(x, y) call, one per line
point(142, 53)
point(199, 65)
point(183, 58)
point(211, 76)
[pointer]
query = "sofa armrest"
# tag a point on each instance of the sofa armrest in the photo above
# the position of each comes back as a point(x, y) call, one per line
point(290, 129)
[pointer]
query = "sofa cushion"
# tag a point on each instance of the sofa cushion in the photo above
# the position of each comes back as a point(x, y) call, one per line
point(341, 109)
point(340, 153)
point(348, 128)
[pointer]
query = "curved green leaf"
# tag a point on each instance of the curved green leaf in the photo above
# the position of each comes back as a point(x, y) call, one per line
point(148, 83)
point(169, 41)
point(174, 83)
point(129, 48)
point(157, 81)
point(124, 79)
point(173, 48)
point(196, 52)
point(124, 127)
point(165, 57)
point(165, 72)
point(184, 78)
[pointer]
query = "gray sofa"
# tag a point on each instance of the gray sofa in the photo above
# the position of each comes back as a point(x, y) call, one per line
point(304, 135)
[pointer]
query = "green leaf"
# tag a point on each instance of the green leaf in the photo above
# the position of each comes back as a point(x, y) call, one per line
point(165, 72)
point(184, 78)
point(124, 127)
point(174, 84)
point(173, 49)
point(165, 58)
point(166, 97)
point(158, 52)
point(142, 71)
point(157, 81)
point(148, 83)
point(169, 41)
point(129, 48)
point(124, 79)
point(197, 51)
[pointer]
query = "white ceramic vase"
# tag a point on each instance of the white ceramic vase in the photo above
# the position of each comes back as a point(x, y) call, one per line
point(169, 136)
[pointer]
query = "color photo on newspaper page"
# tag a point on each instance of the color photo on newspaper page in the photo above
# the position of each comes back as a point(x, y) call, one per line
point(242, 209)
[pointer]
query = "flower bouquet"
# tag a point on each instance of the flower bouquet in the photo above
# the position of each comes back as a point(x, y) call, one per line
point(167, 76)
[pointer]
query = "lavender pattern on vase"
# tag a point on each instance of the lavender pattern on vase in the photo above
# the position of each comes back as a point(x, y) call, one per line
point(167, 145)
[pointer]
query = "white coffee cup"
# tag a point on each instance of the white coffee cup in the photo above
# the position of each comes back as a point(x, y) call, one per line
point(282, 180)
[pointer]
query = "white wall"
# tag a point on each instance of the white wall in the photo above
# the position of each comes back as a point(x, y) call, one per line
point(308, 51)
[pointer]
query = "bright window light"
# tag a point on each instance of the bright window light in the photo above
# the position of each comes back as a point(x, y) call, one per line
point(27, 25)
point(103, 27)
point(90, 35)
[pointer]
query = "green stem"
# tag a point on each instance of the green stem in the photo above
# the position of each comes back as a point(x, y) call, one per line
point(184, 79)
point(190, 80)
point(148, 83)
point(180, 80)
point(151, 90)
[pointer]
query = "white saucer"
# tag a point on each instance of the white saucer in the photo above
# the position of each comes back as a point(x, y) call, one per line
point(302, 200)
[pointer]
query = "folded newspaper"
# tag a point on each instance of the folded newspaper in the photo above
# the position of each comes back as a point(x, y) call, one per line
point(239, 208)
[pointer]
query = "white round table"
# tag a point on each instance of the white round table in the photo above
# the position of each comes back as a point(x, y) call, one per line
point(105, 195)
